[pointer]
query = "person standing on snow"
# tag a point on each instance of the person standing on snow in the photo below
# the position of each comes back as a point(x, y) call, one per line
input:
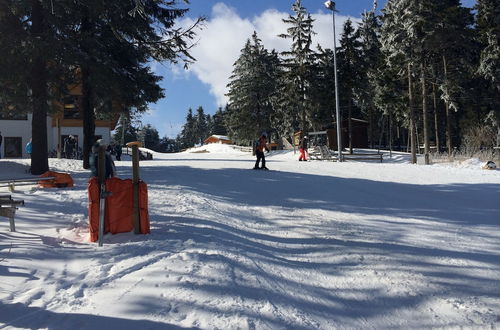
point(303, 149)
point(118, 152)
point(28, 148)
point(259, 152)
point(94, 161)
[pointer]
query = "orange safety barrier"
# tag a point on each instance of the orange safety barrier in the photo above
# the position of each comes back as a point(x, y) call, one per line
point(61, 180)
point(119, 207)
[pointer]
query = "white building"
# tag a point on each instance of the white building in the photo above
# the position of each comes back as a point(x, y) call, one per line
point(16, 131)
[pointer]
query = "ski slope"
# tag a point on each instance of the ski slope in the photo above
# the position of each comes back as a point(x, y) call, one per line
point(306, 245)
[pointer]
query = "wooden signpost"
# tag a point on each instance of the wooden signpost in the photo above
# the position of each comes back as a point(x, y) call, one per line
point(135, 181)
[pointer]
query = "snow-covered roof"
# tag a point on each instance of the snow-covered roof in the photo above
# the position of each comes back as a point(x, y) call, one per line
point(221, 137)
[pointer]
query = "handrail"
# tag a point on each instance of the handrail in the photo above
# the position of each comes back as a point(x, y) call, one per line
point(27, 179)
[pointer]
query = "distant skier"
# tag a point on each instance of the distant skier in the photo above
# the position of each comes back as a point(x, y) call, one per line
point(69, 147)
point(303, 149)
point(118, 151)
point(259, 152)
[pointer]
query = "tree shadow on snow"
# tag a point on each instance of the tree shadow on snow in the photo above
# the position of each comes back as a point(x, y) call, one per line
point(462, 204)
point(21, 316)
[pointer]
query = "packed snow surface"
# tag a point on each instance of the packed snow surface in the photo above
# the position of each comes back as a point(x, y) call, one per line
point(306, 245)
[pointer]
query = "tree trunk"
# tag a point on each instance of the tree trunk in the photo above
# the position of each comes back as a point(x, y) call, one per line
point(424, 114)
point(390, 135)
point(349, 123)
point(412, 118)
point(370, 125)
point(38, 85)
point(436, 118)
point(449, 143)
point(436, 114)
point(88, 116)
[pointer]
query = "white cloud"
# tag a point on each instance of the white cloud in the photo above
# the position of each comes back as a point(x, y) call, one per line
point(223, 37)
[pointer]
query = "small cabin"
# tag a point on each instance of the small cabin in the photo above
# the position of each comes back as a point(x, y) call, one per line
point(359, 134)
point(221, 139)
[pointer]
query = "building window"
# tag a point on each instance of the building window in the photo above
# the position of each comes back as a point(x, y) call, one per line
point(13, 147)
point(71, 107)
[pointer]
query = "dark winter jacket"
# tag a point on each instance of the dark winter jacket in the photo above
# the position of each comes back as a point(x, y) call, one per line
point(94, 165)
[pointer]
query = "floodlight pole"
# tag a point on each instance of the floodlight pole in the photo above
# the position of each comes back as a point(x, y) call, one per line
point(331, 5)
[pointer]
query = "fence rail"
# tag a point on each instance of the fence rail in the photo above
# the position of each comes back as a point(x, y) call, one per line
point(243, 149)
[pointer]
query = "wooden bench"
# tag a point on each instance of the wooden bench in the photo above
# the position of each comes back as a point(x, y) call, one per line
point(12, 183)
point(363, 156)
point(8, 209)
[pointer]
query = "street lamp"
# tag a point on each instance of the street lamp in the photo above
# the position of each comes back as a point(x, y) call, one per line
point(331, 5)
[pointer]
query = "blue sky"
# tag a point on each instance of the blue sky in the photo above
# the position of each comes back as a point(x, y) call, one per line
point(229, 24)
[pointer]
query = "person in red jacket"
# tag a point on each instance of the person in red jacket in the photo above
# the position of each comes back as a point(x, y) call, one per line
point(303, 149)
point(259, 152)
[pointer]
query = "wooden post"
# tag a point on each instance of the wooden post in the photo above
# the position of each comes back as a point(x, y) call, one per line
point(9, 212)
point(101, 170)
point(135, 182)
point(59, 147)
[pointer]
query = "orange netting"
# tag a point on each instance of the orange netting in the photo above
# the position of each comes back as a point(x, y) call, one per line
point(61, 180)
point(119, 207)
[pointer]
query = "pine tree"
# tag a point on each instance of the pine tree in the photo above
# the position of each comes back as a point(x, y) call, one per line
point(107, 44)
point(295, 104)
point(187, 137)
point(31, 49)
point(150, 137)
point(451, 58)
point(200, 126)
point(350, 71)
point(218, 126)
point(252, 84)
point(372, 68)
point(488, 29)
point(322, 100)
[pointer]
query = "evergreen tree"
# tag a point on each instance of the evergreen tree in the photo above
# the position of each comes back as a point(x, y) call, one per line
point(350, 72)
point(200, 126)
point(251, 87)
point(125, 132)
point(150, 137)
point(372, 69)
point(295, 102)
point(323, 90)
point(105, 41)
point(218, 126)
point(31, 50)
point(488, 29)
point(187, 137)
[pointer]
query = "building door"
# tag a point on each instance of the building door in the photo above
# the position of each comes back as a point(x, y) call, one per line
point(13, 147)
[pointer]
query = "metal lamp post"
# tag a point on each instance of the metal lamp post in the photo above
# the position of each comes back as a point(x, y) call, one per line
point(331, 5)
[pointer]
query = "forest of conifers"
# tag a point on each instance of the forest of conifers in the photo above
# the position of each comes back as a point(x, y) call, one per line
point(422, 73)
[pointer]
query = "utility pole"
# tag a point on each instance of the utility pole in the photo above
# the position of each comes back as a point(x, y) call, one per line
point(331, 5)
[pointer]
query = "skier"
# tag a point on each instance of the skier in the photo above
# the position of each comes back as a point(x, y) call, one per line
point(303, 149)
point(118, 151)
point(94, 161)
point(259, 152)
point(69, 145)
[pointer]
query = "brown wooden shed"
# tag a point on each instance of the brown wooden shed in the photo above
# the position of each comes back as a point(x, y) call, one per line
point(359, 134)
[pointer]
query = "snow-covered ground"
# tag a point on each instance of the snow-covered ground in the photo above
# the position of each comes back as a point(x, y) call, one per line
point(307, 245)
